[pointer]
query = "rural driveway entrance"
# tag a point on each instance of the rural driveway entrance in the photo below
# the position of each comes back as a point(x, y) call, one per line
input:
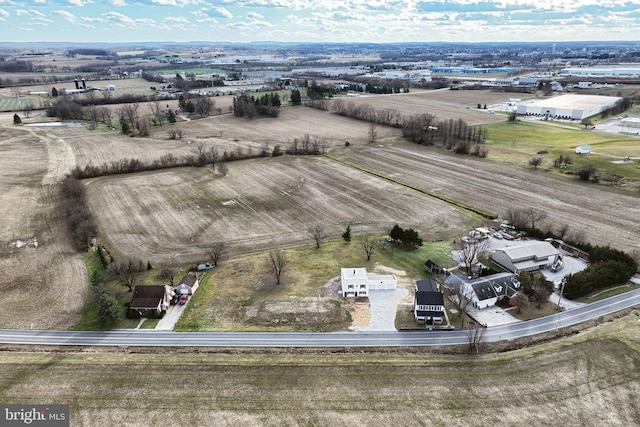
point(171, 317)
point(382, 309)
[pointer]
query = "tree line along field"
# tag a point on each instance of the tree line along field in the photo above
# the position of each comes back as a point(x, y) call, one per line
point(587, 379)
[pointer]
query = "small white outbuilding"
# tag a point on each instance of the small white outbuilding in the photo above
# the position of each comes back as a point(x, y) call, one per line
point(583, 149)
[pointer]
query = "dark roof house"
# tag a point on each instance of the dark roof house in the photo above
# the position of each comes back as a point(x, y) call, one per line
point(150, 297)
point(428, 302)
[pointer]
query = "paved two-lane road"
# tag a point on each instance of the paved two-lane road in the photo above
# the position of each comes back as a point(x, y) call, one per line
point(153, 338)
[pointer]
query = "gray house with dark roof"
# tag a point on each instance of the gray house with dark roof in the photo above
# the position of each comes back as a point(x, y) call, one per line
point(428, 302)
point(488, 290)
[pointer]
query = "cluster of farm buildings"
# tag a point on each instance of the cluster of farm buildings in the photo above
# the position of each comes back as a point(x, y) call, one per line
point(483, 292)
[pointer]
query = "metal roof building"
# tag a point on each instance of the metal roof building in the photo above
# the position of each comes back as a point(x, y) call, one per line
point(576, 107)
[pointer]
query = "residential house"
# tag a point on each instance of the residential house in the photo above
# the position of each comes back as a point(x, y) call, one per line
point(428, 302)
point(530, 255)
point(151, 298)
point(486, 291)
point(188, 284)
point(356, 282)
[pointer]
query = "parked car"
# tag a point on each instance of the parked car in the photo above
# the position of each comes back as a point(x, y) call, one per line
point(174, 299)
point(183, 299)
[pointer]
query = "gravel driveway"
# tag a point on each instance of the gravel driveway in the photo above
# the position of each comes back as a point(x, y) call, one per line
point(383, 306)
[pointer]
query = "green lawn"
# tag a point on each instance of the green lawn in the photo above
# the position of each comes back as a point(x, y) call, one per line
point(517, 142)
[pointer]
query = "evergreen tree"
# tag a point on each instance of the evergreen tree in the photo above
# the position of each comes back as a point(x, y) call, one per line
point(109, 311)
point(296, 98)
point(16, 119)
point(347, 234)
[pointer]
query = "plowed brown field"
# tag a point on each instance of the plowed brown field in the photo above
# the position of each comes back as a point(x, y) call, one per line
point(260, 205)
point(443, 103)
point(602, 215)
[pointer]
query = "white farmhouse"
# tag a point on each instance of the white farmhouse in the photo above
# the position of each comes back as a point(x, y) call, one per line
point(356, 282)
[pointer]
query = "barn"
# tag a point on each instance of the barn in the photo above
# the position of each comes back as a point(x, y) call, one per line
point(567, 107)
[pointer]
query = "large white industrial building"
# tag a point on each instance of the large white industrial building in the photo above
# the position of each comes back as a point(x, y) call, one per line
point(576, 107)
point(601, 72)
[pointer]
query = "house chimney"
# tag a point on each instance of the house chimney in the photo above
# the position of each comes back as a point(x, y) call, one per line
point(76, 82)
point(84, 84)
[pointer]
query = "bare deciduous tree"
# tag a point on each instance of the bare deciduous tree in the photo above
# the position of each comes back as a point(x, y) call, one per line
point(469, 250)
point(129, 112)
point(213, 157)
point(519, 301)
point(125, 272)
point(276, 263)
point(368, 245)
point(534, 215)
point(476, 336)
point(217, 251)
point(317, 234)
point(157, 112)
point(460, 297)
point(372, 133)
point(222, 168)
point(536, 161)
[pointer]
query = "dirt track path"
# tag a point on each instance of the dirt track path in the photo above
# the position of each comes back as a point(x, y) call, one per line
point(603, 215)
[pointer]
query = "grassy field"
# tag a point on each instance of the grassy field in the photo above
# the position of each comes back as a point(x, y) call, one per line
point(517, 142)
point(241, 294)
point(584, 380)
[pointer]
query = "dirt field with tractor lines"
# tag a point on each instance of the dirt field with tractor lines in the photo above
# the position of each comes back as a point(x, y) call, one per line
point(603, 215)
point(261, 204)
point(43, 281)
point(443, 103)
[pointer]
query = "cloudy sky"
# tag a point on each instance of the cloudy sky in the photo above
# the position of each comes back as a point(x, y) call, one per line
point(318, 20)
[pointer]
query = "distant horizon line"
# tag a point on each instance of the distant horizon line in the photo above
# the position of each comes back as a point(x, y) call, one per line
point(257, 42)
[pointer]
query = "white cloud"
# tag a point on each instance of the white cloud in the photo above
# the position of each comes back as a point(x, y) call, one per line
point(119, 3)
point(254, 15)
point(3, 14)
point(222, 11)
point(79, 2)
point(65, 14)
point(180, 19)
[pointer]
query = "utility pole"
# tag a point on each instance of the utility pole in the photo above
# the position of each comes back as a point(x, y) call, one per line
point(562, 283)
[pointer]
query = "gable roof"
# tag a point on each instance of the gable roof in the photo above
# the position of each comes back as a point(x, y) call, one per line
point(427, 285)
point(189, 280)
point(147, 296)
point(429, 298)
point(487, 287)
point(529, 250)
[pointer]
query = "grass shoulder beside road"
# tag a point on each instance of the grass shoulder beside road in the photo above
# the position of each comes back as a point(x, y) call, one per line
point(570, 381)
